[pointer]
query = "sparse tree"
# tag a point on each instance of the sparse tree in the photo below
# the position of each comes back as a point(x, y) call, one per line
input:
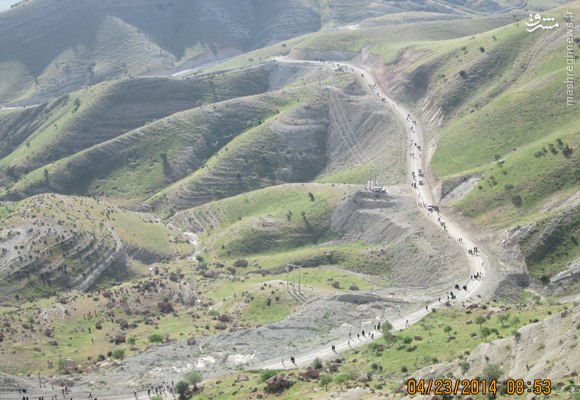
point(503, 318)
point(447, 329)
point(485, 332)
point(464, 367)
point(515, 321)
point(497, 157)
point(61, 364)
point(492, 372)
point(340, 380)
point(407, 340)
point(182, 388)
point(194, 378)
point(480, 320)
point(576, 173)
point(509, 187)
point(325, 380)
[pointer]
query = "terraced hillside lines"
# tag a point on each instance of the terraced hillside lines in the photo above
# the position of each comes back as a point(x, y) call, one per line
point(18, 125)
point(273, 213)
point(285, 147)
point(137, 164)
point(53, 241)
point(110, 110)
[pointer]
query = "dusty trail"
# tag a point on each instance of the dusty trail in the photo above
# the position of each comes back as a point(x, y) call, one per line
point(479, 263)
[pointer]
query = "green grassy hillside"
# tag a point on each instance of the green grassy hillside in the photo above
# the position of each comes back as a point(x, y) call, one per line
point(60, 128)
point(136, 165)
point(288, 146)
point(516, 111)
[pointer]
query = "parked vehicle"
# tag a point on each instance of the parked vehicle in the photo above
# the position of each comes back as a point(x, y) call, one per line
point(420, 182)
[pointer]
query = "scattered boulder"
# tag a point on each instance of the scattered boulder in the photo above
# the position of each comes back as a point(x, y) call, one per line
point(224, 318)
point(123, 323)
point(98, 325)
point(107, 294)
point(333, 367)
point(173, 278)
point(570, 374)
point(210, 274)
point(335, 284)
point(242, 378)
point(53, 342)
point(277, 382)
point(418, 338)
point(165, 306)
point(221, 326)
point(310, 374)
point(353, 287)
point(472, 306)
point(120, 338)
point(1, 337)
point(62, 300)
point(241, 263)
point(191, 340)
point(365, 378)
point(48, 332)
point(71, 365)
point(329, 279)
point(26, 326)
point(469, 322)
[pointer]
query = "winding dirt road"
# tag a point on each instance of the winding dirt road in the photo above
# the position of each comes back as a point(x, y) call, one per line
point(479, 263)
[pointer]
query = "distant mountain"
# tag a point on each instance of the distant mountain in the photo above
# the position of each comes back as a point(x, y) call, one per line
point(55, 47)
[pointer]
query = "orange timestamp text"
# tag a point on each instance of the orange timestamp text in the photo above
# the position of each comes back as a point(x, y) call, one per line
point(474, 387)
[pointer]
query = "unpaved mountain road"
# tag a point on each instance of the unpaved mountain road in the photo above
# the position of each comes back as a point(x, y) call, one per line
point(480, 263)
point(424, 196)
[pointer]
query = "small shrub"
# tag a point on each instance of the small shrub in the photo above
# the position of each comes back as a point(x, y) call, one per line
point(267, 374)
point(118, 354)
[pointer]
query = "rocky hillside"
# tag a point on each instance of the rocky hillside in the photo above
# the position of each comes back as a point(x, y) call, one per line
point(53, 242)
point(541, 350)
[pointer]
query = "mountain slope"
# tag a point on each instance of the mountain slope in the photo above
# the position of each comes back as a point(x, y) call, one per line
point(53, 242)
point(62, 128)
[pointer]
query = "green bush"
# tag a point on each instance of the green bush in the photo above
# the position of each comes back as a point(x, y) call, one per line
point(267, 374)
point(119, 354)
point(131, 340)
point(155, 338)
point(317, 363)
